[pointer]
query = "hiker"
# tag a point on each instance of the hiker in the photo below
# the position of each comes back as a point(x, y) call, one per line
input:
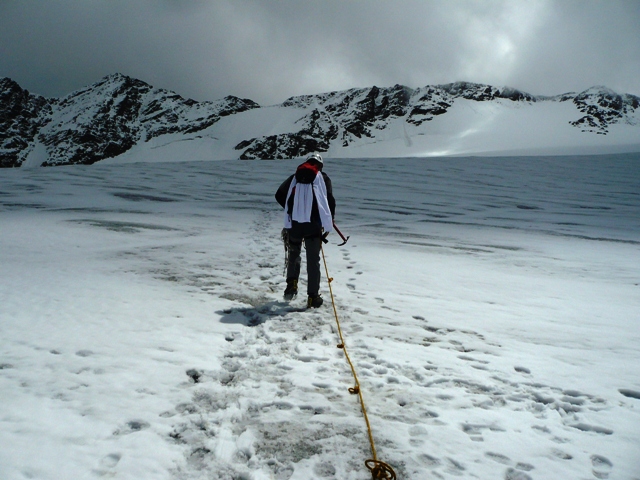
point(309, 208)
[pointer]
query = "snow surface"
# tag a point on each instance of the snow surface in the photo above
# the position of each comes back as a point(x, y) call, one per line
point(491, 307)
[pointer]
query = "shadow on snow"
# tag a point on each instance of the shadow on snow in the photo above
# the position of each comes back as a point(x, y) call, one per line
point(255, 315)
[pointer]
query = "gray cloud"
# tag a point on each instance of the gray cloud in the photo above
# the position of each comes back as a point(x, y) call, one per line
point(269, 50)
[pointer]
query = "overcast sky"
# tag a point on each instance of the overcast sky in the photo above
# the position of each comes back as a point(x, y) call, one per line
point(269, 50)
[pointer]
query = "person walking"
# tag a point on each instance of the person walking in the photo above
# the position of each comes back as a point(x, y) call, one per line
point(309, 210)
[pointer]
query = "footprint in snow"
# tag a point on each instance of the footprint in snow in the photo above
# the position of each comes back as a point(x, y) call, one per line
point(475, 430)
point(324, 470)
point(132, 426)
point(513, 474)
point(561, 454)
point(194, 375)
point(107, 465)
point(602, 466)
point(585, 427)
point(630, 393)
point(429, 461)
point(471, 359)
point(526, 467)
point(498, 457)
point(417, 434)
point(522, 370)
point(455, 467)
point(111, 460)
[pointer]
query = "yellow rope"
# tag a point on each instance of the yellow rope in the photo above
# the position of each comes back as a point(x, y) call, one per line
point(379, 470)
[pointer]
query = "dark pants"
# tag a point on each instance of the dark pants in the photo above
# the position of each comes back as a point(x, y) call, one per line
point(311, 234)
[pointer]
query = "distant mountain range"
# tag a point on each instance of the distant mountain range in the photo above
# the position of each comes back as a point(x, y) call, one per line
point(126, 119)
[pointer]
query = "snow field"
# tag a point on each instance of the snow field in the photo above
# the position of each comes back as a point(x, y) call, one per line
point(490, 307)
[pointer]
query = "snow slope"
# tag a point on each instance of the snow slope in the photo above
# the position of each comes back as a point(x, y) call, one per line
point(490, 306)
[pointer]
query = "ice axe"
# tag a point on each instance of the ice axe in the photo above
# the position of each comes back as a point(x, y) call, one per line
point(344, 239)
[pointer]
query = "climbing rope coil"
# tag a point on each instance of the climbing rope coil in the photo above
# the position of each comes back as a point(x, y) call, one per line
point(379, 470)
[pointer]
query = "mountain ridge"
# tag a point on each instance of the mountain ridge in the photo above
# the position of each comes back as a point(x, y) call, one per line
point(120, 116)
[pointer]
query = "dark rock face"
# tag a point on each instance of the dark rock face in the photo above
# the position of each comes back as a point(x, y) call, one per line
point(20, 119)
point(167, 112)
point(317, 131)
point(431, 101)
point(603, 107)
point(94, 123)
point(362, 113)
point(347, 115)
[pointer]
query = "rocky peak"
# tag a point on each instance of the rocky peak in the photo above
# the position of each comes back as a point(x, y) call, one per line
point(602, 107)
point(21, 116)
point(100, 121)
point(95, 122)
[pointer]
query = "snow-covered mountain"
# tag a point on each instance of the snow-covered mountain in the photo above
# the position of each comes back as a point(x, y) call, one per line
point(101, 121)
point(125, 119)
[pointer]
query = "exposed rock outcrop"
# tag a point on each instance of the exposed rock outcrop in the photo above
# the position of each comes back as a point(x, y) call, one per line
point(22, 115)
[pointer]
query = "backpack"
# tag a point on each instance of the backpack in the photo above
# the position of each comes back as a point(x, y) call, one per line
point(305, 173)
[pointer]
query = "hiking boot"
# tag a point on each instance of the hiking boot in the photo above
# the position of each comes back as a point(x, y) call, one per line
point(291, 290)
point(314, 301)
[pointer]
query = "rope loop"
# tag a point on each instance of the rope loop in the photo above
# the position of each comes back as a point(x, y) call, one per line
point(340, 345)
point(380, 470)
point(355, 390)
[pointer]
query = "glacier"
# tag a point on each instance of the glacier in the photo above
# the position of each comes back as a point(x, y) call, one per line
point(490, 305)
